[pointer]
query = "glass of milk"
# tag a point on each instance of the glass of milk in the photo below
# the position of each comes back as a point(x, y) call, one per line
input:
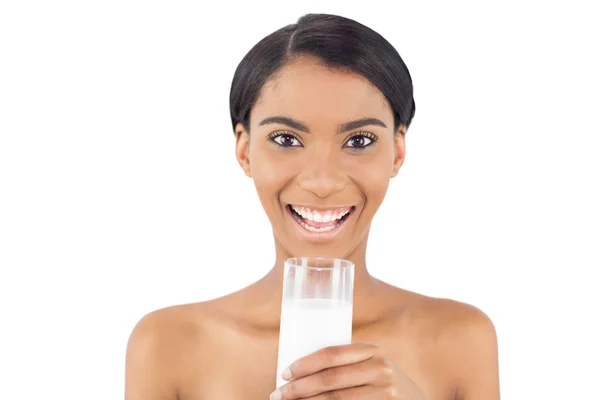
point(316, 309)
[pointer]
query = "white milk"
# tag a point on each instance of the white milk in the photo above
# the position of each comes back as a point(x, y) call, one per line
point(308, 325)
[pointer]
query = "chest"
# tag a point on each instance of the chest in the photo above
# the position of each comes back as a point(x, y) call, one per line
point(244, 368)
point(241, 368)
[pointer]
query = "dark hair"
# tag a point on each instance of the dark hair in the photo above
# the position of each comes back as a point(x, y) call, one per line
point(338, 42)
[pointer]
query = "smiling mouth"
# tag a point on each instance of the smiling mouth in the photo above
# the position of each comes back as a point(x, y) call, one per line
point(318, 221)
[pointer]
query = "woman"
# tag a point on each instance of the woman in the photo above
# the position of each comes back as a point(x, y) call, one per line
point(320, 111)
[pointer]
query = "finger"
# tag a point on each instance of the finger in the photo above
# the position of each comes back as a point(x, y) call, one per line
point(328, 357)
point(358, 392)
point(373, 371)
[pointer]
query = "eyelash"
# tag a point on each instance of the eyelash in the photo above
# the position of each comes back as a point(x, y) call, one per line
point(367, 135)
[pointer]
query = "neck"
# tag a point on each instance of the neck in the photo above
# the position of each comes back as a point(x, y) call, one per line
point(365, 285)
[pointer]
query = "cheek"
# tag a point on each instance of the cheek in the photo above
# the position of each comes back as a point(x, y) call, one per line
point(372, 176)
point(375, 187)
point(269, 177)
point(376, 190)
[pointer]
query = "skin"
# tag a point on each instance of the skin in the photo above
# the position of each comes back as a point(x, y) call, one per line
point(404, 346)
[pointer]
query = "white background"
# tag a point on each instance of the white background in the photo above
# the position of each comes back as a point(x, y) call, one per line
point(120, 193)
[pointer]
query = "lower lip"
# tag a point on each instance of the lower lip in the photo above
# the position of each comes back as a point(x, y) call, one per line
point(319, 236)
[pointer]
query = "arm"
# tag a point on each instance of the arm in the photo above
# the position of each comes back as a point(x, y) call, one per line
point(147, 372)
point(476, 358)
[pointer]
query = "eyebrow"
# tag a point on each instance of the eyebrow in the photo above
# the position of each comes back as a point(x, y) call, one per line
point(347, 126)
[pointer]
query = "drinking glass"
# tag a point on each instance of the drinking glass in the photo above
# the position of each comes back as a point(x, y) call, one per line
point(316, 308)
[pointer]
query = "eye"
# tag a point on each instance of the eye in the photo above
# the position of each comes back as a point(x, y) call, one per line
point(361, 140)
point(285, 139)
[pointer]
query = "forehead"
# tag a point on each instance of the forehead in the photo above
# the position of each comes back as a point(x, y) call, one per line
point(317, 95)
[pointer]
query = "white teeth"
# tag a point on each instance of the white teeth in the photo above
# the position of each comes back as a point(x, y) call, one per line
point(320, 216)
point(300, 211)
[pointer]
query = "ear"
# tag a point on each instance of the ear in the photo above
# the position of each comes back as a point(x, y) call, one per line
point(242, 148)
point(399, 149)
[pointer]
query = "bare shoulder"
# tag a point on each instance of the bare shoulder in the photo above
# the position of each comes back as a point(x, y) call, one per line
point(444, 319)
point(438, 315)
point(465, 338)
point(157, 350)
point(459, 321)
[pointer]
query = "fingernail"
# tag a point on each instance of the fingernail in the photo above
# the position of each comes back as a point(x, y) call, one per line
point(276, 395)
point(287, 374)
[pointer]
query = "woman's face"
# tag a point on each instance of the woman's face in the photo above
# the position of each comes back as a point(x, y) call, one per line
point(320, 182)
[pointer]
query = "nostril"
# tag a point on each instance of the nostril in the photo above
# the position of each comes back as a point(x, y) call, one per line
point(322, 187)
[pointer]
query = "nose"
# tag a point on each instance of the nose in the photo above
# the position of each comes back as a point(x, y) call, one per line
point(322, 175)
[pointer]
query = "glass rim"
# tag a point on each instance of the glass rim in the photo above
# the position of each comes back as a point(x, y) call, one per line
point(337, 263)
